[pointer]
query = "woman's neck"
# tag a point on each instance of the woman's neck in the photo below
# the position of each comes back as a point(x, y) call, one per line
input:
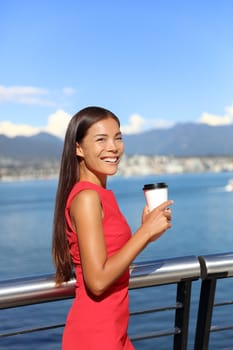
point(98, 180)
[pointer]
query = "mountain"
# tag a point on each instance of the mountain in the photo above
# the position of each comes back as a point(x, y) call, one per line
point(183, 140)
point(42, 146)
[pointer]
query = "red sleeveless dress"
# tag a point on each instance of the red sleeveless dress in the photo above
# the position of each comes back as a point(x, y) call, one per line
point(99, 323)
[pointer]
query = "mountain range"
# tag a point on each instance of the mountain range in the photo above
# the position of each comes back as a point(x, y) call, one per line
point(181, 140)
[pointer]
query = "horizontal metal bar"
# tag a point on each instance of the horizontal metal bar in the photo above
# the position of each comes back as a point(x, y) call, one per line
point(223, 303)
point(158, 334)
point(31, 330)
point(39, 289)
point(221, 329)
point(216, 265)
point(133, 313)
point(165, 271)
point(160, 309)
point(53, 326)
point(33, 290)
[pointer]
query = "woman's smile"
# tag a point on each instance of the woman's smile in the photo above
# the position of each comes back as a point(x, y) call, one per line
point(113, 160)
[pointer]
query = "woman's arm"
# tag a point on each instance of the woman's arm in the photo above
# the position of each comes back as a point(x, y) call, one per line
point(99, 270)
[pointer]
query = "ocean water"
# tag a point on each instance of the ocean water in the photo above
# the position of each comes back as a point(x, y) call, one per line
point(202, 224)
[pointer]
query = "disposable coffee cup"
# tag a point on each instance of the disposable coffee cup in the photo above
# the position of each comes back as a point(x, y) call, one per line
point(155, 194)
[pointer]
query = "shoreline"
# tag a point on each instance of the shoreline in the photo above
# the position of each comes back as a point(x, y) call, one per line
point(11, 170)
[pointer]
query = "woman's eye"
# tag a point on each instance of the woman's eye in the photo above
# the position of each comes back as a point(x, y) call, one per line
point(101, 139)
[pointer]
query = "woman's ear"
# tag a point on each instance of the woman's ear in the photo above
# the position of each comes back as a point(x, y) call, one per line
point(79, 151)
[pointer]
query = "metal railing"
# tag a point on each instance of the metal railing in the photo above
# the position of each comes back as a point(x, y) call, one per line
point(213, 268)
point(181, 271)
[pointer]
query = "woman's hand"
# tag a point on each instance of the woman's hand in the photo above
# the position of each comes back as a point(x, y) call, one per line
point(157, 221)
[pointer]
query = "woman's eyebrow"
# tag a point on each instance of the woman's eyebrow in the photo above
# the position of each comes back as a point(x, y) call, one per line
point(98, 135)
point(117, 133)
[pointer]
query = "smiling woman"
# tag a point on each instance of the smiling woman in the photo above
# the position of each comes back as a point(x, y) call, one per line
point(91, 234)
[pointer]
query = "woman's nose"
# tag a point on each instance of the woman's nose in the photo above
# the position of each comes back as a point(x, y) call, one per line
point(112, 145)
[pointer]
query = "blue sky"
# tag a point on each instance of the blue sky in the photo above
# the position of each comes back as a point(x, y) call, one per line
point(153, 62)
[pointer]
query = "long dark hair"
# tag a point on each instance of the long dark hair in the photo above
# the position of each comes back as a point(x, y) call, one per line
point(68, 176)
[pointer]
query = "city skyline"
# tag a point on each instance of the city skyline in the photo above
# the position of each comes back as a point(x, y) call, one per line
point(153, 63)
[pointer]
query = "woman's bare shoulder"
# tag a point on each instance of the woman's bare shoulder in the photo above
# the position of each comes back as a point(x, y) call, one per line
point(86, 200)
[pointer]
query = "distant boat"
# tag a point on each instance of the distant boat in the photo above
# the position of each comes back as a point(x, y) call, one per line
point(229, 186)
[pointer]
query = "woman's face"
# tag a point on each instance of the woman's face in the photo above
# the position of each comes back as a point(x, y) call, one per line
point(101, 148)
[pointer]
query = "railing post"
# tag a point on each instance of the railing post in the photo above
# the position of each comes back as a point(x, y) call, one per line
point(182, 315)
point(205, 311)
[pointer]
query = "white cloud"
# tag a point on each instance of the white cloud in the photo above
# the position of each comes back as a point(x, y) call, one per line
point(57, 124)
point(214, 120)
point(24, 95)
point(11, 130)
point(159, 123)
point(138, 124)
point(135, 125)
point(68, 91)
point(30, 95)
point(229, 110)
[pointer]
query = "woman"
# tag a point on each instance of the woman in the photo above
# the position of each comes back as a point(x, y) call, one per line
point(91, 234)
